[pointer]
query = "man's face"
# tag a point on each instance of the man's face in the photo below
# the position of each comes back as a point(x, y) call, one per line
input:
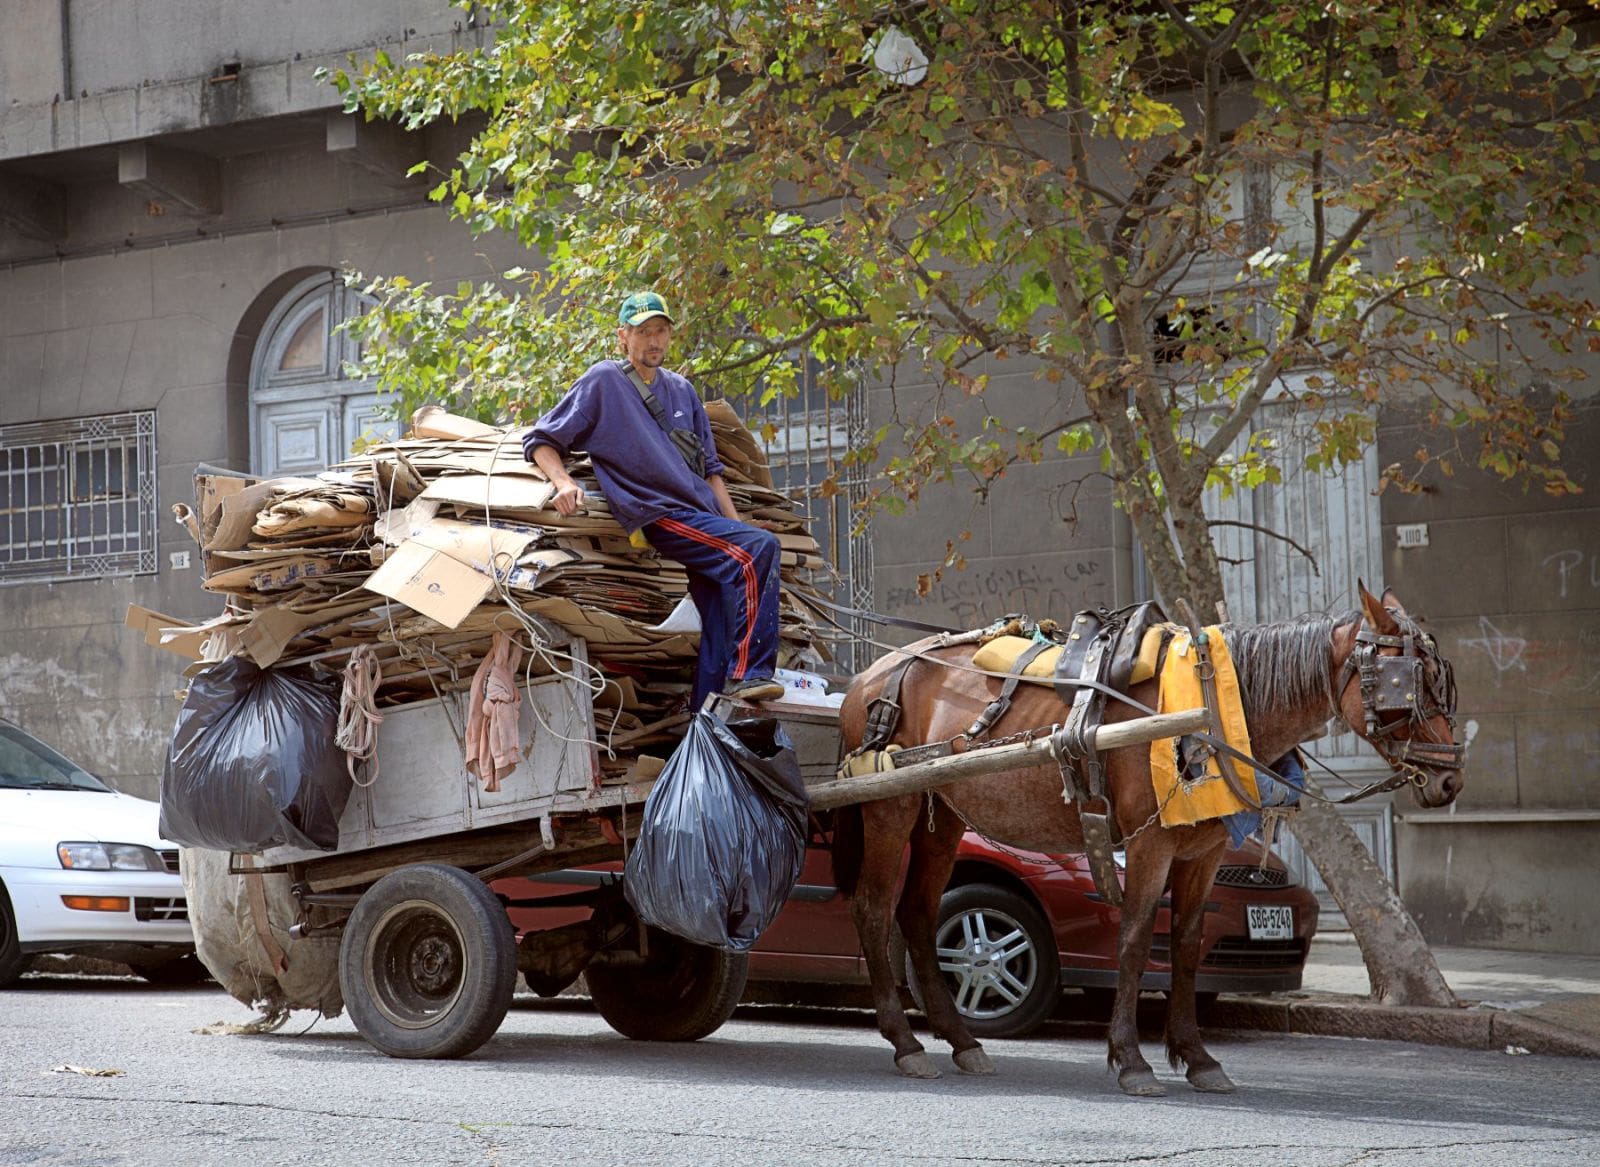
point(646, 344)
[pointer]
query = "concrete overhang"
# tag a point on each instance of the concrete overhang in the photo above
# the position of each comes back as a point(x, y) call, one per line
point(230, 95)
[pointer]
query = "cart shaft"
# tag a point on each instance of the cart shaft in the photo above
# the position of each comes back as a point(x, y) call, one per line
point(996, 759)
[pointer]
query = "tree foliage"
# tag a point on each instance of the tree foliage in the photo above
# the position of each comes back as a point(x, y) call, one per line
point(1170, 213)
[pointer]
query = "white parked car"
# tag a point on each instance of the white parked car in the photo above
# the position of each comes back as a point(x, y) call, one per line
point(83, 869)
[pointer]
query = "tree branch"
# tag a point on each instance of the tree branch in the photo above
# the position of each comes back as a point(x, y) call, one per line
point(775, 347)
point(1270, 533)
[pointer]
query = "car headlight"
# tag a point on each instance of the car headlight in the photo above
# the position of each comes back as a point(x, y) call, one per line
point(108, 857)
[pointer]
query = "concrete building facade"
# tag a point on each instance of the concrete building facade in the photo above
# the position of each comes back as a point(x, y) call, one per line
point(177, 191)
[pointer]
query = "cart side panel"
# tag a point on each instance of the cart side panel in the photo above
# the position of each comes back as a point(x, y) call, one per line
point(423, 790)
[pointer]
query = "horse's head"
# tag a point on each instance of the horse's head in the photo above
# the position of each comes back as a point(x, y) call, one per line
point(1395, 690)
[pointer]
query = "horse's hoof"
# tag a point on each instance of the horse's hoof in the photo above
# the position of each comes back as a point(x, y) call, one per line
point(917, 1065)
point(1141, 1084)
point(1211, 1080)
point(973, 1061)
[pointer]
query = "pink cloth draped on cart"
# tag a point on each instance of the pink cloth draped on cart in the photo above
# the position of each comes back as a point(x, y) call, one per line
point(493, 748)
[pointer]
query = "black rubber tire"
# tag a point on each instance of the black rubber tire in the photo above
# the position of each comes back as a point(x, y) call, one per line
point(428, 963)
point(974, 915)
point(179, 972)
point(13, 962)
point(682, 992)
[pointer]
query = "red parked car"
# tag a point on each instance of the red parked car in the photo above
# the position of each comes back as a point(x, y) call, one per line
point(1015, 927)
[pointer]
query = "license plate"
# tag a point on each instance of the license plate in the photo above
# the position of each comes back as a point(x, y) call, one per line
point(1270, 923)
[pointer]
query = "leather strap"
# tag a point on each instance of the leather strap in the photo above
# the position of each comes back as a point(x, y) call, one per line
point(883, 711)
point(686, 442)
point(996, 709)
point(1081, 674)
point(255, 892)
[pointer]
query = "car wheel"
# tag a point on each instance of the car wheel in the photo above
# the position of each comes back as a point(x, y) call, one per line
point(13, 963)
point(427, 963)
point(180, 971)
point(999, 960)
point(682, 991)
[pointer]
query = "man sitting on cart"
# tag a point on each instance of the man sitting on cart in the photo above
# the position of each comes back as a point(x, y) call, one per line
point(646, 432)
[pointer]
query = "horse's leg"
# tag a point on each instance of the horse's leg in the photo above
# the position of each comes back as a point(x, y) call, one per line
point(1191, 884)
point(933, 856)
point(1149, 859)
point(886, 826)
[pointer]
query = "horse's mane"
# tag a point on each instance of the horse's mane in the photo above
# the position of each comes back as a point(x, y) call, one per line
point(1286, 666)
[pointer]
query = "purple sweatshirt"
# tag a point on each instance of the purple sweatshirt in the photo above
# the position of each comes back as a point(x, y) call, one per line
point(641, 472)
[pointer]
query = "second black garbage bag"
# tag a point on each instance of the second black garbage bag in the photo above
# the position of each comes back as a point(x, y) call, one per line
point(724, 834)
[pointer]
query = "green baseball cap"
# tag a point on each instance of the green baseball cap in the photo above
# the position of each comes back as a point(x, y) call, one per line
point(641, 306)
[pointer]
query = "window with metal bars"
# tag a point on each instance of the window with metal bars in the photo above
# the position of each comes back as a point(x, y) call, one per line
point(78, 498)
point(810, 434)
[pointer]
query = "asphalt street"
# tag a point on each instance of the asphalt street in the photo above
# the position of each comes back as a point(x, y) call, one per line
point(774, 1086)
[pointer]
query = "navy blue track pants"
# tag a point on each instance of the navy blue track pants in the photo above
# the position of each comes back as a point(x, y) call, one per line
point(733, 580)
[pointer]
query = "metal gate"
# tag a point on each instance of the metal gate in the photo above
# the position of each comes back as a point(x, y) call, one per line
point(810, 434)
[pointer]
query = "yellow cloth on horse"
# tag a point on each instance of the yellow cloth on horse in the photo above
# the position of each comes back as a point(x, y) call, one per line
point(1184, 801)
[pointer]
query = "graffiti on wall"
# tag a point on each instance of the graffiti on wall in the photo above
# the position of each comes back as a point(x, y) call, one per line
point(1576, 572)
point(975, 597)
point(1505, 652)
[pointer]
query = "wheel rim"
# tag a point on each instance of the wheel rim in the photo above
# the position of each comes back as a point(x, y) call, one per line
point(989, 961)
point(416, 964)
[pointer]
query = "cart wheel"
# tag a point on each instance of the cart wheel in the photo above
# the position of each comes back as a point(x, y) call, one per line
point(428, 963)
point(682, 992)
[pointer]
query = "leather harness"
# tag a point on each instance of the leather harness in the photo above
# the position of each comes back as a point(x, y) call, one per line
point(1096, 662)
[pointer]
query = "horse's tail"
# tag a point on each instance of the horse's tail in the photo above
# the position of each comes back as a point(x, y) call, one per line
point(848, 848)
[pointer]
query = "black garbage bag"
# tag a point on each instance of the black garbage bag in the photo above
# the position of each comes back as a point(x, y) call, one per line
point(253, 763)
point(724, 834)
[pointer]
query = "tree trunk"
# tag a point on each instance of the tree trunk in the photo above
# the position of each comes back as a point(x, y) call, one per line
point(1400, 965)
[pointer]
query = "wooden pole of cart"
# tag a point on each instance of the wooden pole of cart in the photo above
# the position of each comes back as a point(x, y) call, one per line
point(997, 759)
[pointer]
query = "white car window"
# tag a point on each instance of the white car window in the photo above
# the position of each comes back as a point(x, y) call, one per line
point(28, 764)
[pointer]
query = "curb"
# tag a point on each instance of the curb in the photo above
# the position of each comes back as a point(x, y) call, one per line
point(1463, 1028)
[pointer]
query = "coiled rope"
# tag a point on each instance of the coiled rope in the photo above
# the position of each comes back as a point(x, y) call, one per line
point(357, 732)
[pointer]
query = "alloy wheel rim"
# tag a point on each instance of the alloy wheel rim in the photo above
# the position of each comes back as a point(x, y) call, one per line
point(989, 961)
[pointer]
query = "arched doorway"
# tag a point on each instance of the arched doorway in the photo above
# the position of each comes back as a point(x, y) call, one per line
point(305, 412)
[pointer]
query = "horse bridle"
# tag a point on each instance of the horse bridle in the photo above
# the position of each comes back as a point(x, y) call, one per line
point(1417, 682)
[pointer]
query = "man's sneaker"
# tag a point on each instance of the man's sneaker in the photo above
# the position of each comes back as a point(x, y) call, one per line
point(755, 689)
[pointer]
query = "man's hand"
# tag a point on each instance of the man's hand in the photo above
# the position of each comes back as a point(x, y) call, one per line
point(719, 490)
point(569, 497)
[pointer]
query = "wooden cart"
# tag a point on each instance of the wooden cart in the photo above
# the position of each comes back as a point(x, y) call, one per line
point(428, 958)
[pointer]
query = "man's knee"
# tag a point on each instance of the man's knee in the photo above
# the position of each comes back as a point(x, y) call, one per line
point(762, 545)
point(765, 546)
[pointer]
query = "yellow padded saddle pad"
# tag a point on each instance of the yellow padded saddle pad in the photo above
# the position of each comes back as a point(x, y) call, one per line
point(1208, 797)
point(1001, 654)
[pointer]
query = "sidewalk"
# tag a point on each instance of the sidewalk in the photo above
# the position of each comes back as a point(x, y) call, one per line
point(1532, 1002)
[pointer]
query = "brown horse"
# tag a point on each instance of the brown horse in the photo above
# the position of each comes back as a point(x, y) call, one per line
point(1294, 677)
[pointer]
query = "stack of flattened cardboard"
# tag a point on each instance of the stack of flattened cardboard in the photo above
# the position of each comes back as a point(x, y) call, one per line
point(423, 547)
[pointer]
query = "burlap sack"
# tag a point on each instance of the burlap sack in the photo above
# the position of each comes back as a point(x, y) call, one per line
point(273, 975)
